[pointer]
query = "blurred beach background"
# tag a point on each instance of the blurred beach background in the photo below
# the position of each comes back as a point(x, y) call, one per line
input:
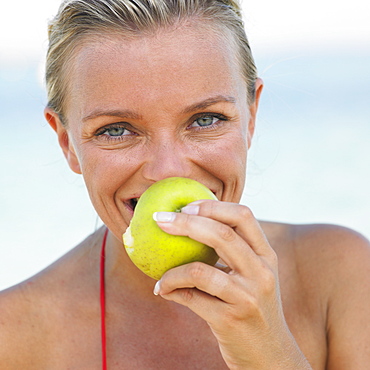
point(309, 161)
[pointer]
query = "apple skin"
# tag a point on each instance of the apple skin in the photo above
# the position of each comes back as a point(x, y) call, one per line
point(151, 249)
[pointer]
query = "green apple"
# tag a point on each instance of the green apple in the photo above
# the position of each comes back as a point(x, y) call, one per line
point(151, 249)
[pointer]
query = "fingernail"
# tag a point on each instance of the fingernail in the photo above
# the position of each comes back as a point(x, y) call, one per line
point(220, 265)
point(157, 287)
point(164, 216)
point(190, 210)
point(200, 201)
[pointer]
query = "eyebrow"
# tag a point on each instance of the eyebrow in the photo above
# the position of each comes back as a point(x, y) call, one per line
point(208, 102)
point(127, 113)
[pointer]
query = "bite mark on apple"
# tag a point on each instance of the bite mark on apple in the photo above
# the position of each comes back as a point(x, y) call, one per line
point(128, 240)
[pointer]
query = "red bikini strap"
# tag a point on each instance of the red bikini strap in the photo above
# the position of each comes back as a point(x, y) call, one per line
point(102, 302)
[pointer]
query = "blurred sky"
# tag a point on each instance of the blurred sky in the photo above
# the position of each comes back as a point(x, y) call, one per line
point(311, 159)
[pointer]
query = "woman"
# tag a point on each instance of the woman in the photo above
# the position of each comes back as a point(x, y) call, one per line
point(144, 90)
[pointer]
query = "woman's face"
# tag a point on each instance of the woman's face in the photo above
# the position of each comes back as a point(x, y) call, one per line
point(141, 110)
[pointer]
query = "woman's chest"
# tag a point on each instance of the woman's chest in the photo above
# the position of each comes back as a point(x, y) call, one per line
point(135, 340)
point(145, 342)
point(171, 343)
point(150, 338)
point(148, 346)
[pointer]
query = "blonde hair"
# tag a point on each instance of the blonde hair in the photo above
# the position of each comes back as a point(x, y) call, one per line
point(77, 20)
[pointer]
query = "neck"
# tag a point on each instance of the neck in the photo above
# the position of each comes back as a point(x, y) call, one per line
point(120, 272)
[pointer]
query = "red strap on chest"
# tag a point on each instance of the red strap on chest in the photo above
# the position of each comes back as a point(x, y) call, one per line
point(102, 302)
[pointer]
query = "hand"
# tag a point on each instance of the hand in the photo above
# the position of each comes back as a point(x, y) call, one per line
point(241, 303)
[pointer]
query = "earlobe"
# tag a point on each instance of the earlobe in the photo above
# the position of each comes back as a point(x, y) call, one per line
point(63, 139)
point(253, 110)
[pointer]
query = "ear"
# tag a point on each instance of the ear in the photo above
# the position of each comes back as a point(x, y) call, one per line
point(63, 138)
point(253, 110)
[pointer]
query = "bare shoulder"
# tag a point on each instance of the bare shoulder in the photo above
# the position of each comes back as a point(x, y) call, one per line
point(21, 327)
point(332, 264)
point(334, 236)
point(322, 259)
point(335, 251)
point(334, 247)
point(34, 311)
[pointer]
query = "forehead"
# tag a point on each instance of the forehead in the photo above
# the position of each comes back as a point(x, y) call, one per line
point(168, 67)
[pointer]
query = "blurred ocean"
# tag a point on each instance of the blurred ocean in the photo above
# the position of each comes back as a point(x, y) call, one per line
point(309, 161)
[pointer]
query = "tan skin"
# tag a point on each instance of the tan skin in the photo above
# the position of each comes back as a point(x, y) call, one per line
point(292, 297)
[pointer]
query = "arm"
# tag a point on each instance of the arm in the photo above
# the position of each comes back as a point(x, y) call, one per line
point(349, 303)
point(242, 304)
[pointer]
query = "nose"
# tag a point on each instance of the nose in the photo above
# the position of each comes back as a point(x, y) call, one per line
point(167, 159)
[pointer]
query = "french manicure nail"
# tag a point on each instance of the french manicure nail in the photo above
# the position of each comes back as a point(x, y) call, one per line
point(190, 210)
point(157, 287)
point(164, 216)
point(196, 202)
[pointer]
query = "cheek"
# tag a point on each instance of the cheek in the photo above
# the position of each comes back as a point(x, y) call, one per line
point(229, 155)
point(105, 170)
point(229, 165)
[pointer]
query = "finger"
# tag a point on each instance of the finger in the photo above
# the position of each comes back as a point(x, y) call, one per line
point(205, 278)
point(209, 308)
point(229, 246)
point(238, 217)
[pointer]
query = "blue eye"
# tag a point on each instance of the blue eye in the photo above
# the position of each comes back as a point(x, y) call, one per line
point(207, 120)
point(115, 131)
